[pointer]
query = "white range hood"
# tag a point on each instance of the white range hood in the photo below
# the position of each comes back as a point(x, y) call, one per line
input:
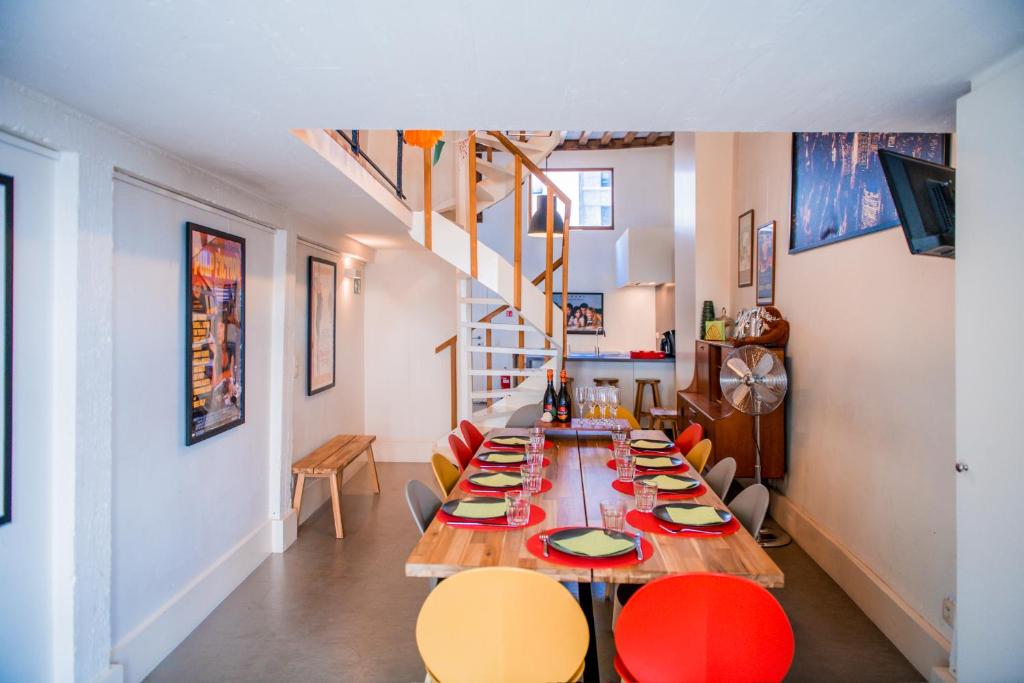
point(644, 256)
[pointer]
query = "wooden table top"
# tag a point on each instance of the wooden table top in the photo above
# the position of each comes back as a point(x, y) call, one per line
point(580, 481)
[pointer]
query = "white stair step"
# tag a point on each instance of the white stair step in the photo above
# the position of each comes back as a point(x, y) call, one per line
point(490, 169)
point(483, 300)
point(498, 326)
point(496, 393)
point(514, 372)
point(513, 350)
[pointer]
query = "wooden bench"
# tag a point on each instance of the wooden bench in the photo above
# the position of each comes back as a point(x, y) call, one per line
point(329, 461)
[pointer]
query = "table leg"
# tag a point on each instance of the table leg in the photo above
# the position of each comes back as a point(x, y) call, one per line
point(590, 670)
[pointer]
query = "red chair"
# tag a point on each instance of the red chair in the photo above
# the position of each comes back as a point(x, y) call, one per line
point(462, 453)
point(471, 434)
point(689, 438)
point(703, 628)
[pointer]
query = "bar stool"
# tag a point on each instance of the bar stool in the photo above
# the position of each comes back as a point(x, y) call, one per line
point(664, 416)
point(638, 402)
point(606, 381)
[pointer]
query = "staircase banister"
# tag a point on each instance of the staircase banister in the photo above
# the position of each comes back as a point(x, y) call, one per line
point(528, 163)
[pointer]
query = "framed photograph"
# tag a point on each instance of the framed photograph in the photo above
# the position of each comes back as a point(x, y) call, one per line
point(215, 332)
point(839, 189)
point(745, 249)
point(321, 307)
point(7, 259)
point(765, 242)
point(585, 312)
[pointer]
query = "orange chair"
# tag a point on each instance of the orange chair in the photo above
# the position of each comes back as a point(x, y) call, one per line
point(471, 434)
point(689, 438)
point(704, 628)
point(462, 453)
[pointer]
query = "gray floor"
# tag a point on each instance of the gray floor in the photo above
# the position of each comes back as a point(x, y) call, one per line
point(329, 610)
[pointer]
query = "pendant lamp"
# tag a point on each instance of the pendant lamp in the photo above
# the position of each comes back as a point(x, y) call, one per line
point(539, 222)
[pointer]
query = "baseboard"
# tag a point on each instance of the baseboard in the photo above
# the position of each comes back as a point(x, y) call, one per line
point(920, 642)
point(150, 642)
point(284, 531)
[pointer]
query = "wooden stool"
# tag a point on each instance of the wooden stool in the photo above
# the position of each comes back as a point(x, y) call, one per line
point(638, 402)
point(665, 416)
point(606, 381)
point(329, 461)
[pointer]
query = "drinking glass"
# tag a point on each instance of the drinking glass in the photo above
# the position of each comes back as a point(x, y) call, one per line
point(537, 437)
point(534, 455)
point(619, 435)
point(613, 402)
point(581, 399)
point(646, 494)
point(613, 514)
point(591, 401)
point(532, 475)
point(625, 463)
point(517, 504)
point(602, 404)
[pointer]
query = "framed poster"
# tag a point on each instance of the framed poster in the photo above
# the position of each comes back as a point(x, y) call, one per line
point(839, 189)
point(765, 242)
point(584, 313)
point(215, 333)
point(745, 249)
point(7, 259)
point(321, 307)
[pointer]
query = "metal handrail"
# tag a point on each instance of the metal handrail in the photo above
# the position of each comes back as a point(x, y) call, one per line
point(353, 143)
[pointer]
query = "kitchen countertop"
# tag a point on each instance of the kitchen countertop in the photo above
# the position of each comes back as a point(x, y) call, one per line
point(617, 357)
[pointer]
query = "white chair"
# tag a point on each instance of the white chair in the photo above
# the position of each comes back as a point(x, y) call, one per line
point(720, 477)
point(526, 416)
point(750, 507)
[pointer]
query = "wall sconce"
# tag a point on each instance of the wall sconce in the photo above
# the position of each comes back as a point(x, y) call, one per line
point(356, 276)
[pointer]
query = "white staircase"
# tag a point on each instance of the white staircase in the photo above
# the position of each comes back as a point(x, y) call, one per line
point(451, 241)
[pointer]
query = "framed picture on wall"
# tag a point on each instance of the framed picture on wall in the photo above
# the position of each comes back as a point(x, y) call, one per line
point(765, 243)
point(839, 189)
point(7, 259)
point(745, 249)
point(585, 312)
point(321, 309)
point(215, 332)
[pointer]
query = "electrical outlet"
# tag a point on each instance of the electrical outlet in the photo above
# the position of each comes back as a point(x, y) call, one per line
point(949, 609)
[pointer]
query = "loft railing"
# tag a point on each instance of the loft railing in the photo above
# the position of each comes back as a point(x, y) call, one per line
point(352, 137)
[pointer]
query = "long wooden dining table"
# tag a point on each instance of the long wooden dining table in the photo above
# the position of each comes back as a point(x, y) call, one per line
point(581, 480)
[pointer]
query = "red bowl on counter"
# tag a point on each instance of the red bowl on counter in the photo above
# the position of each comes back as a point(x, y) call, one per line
point(649, 355)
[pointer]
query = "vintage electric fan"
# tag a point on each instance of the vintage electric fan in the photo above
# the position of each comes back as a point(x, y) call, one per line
point(754, 382)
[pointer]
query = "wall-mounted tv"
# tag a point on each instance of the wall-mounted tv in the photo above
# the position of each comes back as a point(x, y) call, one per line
point(924, 194)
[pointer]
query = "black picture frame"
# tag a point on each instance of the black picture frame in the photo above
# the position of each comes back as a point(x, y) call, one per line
point(594, 300)
point(935, 147)
point(310, 327)
point(194, 435)
point(7, 509)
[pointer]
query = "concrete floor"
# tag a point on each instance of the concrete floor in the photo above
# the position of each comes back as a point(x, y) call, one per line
point(329, 610)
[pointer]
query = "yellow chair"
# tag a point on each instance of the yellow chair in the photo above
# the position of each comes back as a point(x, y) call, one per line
point(623, 413)
point(699, 454)
point(533, 629)
point(446, 473)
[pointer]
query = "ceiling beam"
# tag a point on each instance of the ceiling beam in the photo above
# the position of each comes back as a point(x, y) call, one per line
point(628, 139)
point(584, 136)
point(606, 138)
point(659, 140)
point(652, 137)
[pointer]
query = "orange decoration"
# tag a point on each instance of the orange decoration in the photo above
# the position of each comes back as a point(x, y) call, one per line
point(423, 138)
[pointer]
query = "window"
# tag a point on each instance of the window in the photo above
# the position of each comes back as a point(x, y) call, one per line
point(590, 190)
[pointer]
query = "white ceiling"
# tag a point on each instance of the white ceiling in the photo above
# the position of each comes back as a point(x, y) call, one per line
point(221, 83)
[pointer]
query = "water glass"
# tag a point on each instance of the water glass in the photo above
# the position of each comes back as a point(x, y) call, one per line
point(646, 494)
point(581, 399)
point(517, 504)
point(535, 455)
point(613, 514)
point(625, 463)
point(537, 437)
point(619, 435)
point(533, 476)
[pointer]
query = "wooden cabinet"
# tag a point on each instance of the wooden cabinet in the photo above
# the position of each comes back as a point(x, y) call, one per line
point(731, 432)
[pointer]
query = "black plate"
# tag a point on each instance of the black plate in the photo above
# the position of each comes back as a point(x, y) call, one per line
point(661, 512)
point(644, 477)
point(453, 504)
point(483, 457)
point(484, 475)
point(566, 534)
point(676, 462)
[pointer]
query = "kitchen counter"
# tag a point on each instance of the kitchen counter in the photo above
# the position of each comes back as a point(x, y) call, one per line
point(617, 357)
point(585, 367)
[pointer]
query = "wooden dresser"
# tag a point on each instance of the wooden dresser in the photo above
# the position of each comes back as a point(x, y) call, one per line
point(731, 432)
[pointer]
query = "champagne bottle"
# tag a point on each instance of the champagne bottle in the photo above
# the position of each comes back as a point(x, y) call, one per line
point(563, 409)
point(549, 395)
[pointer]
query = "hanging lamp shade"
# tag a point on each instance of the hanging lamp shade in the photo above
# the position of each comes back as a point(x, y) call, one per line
point(539, 222)
point(423, 138)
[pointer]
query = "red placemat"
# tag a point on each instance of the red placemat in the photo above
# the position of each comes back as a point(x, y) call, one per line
point(653, 470)
point(545, 485)
point(491, 446)
point(639, 451)
point(536, 517)
point(627, 487)
point(555, 556)
point(511, 466)
point(646, 521)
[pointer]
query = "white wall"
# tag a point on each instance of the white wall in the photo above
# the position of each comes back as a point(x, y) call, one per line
point(684, 224)
point(340, 409)
point(26, 568)
point(410, 309)
point(989, 550)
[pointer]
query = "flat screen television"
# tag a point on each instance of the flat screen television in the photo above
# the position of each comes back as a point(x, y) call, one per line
point(924, 194)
